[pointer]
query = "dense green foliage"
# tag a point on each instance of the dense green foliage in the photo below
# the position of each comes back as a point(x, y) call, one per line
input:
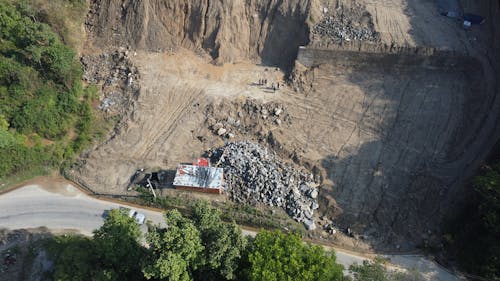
point(474, 236)
point(119, 253)
point(40, 93)
point(279, 257)
point(113, 254)
point(174, 251)
point(202, 247)
point(223, 244)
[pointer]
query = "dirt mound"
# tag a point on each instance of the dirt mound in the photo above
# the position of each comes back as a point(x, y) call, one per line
point(251, 118)
point(224, 29)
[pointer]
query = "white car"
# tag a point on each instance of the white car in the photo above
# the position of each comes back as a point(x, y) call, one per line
point(139, 217)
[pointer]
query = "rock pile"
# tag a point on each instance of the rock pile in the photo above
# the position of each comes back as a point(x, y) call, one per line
point(230, 119)
point(254, 175)
point(349, 25)
point(115, 72)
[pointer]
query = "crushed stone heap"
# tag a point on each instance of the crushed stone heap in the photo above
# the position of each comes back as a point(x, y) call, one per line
point(346, 24)
point(254, 175)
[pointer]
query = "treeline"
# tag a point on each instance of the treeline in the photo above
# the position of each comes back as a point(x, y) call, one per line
point(40, 93)
point(473, 237)
point(201, 247)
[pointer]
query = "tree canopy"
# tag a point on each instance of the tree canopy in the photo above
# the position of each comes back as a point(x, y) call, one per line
point(173, 251)
point(201, 247)
point(223, 244)
point(114, 254)
point(276, 256)
point(40, 90)
point(479, 249)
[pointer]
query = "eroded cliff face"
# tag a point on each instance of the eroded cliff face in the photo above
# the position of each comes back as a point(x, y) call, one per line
point(227, 30)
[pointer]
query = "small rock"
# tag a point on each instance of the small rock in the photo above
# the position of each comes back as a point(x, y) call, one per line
point(221, 131)
point(314, 206)
point(277, 111)
point(230, 135)
point(308, 214)
point(217, 126)
point(278, 121)
point(309, 224)
point(314, 194)
point(230, 120)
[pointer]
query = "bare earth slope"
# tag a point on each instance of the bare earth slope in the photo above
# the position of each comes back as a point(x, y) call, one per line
point(393, 141)
point(227, 30)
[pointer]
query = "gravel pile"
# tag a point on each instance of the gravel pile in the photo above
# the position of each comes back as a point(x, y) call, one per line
point(346, 25)
point(253, 175)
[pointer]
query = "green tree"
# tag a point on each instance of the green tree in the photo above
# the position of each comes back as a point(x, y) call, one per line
point(173, 251)
point(113, 254)
point(279, 257)
point(74, 258)
point(223, 243)
point(40, 89)
point(118, 250)
point(480, 252)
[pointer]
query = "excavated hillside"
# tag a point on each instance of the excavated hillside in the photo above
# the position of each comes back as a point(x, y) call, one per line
point(227, 30)
point(391, 106)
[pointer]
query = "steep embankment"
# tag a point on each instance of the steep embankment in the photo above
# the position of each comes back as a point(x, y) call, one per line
point(226, 30)
point(422, 123)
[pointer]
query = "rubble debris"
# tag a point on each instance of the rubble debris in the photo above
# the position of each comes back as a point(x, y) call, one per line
point(115, 73)
point(346, 24)
point(232, 119)
point(254, 175)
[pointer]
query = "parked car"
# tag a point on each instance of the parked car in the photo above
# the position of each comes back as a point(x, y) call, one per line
point(140, 218)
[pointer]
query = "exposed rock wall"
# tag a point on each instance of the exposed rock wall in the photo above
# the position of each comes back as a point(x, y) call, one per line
point(227, 30)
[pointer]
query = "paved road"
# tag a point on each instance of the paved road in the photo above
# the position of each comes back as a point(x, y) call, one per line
point(61, 207)
point(64, 207)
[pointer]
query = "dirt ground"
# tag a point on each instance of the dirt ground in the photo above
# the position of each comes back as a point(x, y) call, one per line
point(391, 145)
point(22, 256)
